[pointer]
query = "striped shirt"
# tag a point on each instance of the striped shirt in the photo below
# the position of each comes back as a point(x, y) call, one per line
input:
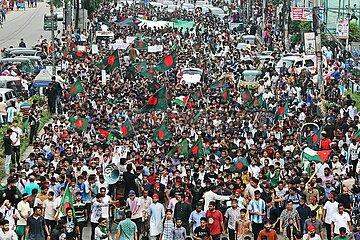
point(169, 226)
point(257, 206)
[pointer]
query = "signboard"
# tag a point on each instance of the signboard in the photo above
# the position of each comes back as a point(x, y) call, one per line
point(94, 49)
point(304, 14)
point(130, 39)
point(156, 48)
point(342, 29)
point(309, 42)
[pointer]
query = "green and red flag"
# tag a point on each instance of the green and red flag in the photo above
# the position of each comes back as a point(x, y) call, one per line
point(149, 73)
point(225, 96)
point(140, 44)
point(281, 111)
point(197, 115)
point(197, 95)
point(239, 166)
point(246, 96)
point(79, 55)
point(130, 73)
point(166, 62)
point(182, 100)
point(197, 46)
point(256, 102)
point(154, 86)
point(126, 129)
point(76, 88)
point(157, 102)
point(356, 135)
point(140, 66)
point(66, 201)
point(316, 156)
point(197, 149)
point(219, 84)
point(79, 123)
point(181, 148)
point(112, 61)
point(161, 134)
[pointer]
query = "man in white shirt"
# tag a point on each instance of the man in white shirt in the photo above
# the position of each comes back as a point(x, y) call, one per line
point(330, 208)
point(10, 213)
point(15, 137)
point(49, 211)
point(6, 233)
point(24, 211)
point(311, 235)
point(210, 196)
point(340, 219)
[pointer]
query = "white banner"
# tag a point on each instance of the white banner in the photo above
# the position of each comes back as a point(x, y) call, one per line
point(130, 39)
point(156, 48)
point(309, 42)
point(94, 49)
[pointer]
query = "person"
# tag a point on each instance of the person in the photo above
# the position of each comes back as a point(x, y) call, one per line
point(211, 195)
point(215, 221)
point(6, 233)
point(340, 219)
point(179, 232)
point(196, 215)
point(81, 213)
point(304, 212)
point(201, 232)
point(51, 94)
point(96, 213)
point(8, 149)
point(127, 229)
point(314, 222)
point(232, 214)
point(10, 213)
point(15, 137)
point(257, 213)
point(243, 226)
point(183, 211)
point(49, 211)
point(330, 208)
point(133, 203)
point(72, 227)
point(157, 213)
point(24, 211)
point(34, 122)
point(311, 235)
point(343, 235)
point(269, 233)
point(22, 43)
point(287, 214)
point(168, 226)
point(36, 226)
point(102, 230)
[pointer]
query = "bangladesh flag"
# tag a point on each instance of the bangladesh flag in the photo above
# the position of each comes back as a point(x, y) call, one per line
point(239, 165)
point(76, 88)
point(315, 139)
point(218, 84)
point(154, 86)
point(356, 136)
point(181, 101)
point(181, 148)
point(225, 96)
point(246, 96)
point(316, 156)
point(140, 66)
point(140, 44)
point(197, 115)
point(197, 149)
point(256, 102)
point(157, 102)
point(66, 201)
point(281, 111)
point(197, 46)
point(79, 55)
point(79, 123)
point(126, 129)
point(197, 95)
point(112, 61)
point(161, 134)
point(130, 73)
point(166, 62)
point(110, 132)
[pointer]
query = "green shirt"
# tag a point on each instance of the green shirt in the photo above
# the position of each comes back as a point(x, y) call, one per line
point(342, 238)
point(127, 229)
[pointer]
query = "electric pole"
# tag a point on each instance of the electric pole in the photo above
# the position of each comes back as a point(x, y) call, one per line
point(286, 24)
point(317, 31)
point(348, 23)
point(53, 37)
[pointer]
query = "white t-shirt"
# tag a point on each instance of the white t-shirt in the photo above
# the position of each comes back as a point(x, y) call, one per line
point(24, 209)
point(50, 209)
point(331, 209)
point(341, 220)
point(16, 138)
point(316, 237)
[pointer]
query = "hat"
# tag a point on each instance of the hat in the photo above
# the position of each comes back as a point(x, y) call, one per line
point(238, 191)
point(313, 198)
point(156, 185)
point(131, 192)
point(155, 196)
point(311, 227)
point(177, 183)
point(198, 181)
point(331, 195)
point(24, 196)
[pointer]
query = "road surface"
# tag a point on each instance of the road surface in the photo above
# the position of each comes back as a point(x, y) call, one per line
point(26, 24)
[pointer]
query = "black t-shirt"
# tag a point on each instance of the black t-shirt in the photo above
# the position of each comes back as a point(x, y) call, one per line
point(36, 226)
point(202, 232)
point(7, 145)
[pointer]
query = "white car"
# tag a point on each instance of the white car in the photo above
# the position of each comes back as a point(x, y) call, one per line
point(59, 14)
point(300, 63)
point(191, 75)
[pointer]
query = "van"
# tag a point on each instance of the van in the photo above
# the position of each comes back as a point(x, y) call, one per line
point(6, 52)
point(23, 52)
point(7, 95)
point(34, 59)
point(300, 63)
point(23, 64)
point(11, 82)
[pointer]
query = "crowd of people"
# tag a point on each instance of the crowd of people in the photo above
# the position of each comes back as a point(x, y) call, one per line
point(253, 177)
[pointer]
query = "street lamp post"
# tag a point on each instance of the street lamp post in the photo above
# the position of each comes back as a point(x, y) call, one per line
point(317, 31)
point(52, 37)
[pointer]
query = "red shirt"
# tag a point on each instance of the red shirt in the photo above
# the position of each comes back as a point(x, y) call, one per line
point(214, 219)
point(152, 178)
point(325, 144)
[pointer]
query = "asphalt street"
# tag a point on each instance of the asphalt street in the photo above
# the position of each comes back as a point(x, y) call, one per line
point(26, 24)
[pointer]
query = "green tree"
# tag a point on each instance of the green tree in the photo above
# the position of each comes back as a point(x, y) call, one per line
point(58, 3)
point(354, 32)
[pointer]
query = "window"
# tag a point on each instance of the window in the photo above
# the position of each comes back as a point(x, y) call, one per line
point(309, 63)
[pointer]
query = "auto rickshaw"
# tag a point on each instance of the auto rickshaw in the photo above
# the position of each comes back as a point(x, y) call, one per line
point(20, 4)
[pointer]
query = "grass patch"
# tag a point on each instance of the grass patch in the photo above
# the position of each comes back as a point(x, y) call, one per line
point(354, 96)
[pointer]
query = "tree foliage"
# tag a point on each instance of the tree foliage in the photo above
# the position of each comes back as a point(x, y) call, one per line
point(354, 32)
point(58, 3)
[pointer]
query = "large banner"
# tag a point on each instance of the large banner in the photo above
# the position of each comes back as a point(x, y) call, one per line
point(309, 42)
point(342, 29)
point(304, 14)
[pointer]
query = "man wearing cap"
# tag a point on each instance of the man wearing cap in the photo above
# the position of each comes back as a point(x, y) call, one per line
point(268, 233)
point(157, 213)
point(314, 206)
point(311, 235)
point(196, 215)
point(310, 192)
point(314, 222)
point(134, 204)
point(330, 208)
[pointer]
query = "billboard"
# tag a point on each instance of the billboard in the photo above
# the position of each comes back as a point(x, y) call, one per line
point(304, 14)
point(309, 42)
point(342, 28)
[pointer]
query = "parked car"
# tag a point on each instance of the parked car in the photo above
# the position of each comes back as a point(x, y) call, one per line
point(7, 95)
